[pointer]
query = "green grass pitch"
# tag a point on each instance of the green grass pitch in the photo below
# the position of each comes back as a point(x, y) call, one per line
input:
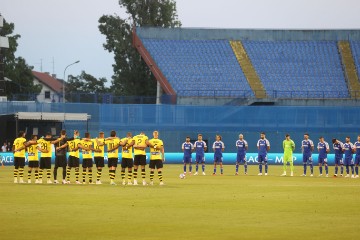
point(198, 207)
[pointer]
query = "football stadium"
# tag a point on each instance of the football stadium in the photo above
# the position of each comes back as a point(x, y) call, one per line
point(215, 82)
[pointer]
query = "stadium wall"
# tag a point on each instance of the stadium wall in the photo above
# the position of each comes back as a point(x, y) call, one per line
point(175, 122)
point(247, 34)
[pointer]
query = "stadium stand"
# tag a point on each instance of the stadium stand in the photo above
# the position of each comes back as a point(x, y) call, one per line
point(300, 69)
point(200, 67)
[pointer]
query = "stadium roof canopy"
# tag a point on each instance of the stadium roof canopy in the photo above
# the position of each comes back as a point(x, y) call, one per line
point(50, 116)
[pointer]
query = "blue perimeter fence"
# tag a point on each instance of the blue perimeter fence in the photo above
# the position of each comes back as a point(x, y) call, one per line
point(175, 122)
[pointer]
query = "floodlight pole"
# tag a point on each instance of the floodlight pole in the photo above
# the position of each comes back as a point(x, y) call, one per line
point(64, 78)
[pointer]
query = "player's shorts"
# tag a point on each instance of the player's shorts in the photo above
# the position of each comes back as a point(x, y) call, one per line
point(240, 158)
point(99, 162)
point(87, 163)
point(113, 162)
point(262, 158)
point(127, 163)
point(140, 160)
point(200, 159)
point(60, 161)
point(45, 163)
point(19, 162)
point(307, 159)
point(322, 160)
point(73, 162)
point(288, 158)
point(357, 160)
point(338, 160)
point(218, 159)
point(187, 160)
point(155, 164)
point(348, 161)
point(33, 164)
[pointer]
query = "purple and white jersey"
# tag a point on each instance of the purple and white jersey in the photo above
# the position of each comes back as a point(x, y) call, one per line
point(241, 146)
point(348, 148)
point(306, 147)
point(323, 147)
point(187, 147)
point(218, 146)
point(357, 148)
point(200, 148)
point(263, 144)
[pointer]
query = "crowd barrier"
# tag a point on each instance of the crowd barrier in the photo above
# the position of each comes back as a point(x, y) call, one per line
point(7, 159)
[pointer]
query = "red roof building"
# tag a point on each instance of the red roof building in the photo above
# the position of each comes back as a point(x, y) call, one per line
point(51, 87)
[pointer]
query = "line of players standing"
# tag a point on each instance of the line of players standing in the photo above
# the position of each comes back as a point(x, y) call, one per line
point(87, 145)
point(263, 145)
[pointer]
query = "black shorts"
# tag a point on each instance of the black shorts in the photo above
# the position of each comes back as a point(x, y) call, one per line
point(99, 162)
point(127, 163)
point(113, 162)
point(60, 161)
point(19, 162)
point(140, 160)
point(45, 163)
point(87, 163)
point(155, 164)
point(33, 164)
point(73, 162)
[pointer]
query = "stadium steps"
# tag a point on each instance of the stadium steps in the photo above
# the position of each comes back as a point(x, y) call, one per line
point(248, 69)
point(350, 69)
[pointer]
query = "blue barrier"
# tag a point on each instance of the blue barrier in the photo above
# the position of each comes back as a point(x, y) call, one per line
point(175, 158)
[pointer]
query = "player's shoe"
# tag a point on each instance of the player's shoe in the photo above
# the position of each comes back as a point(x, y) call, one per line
point(112, 182)
point(214, 174)
point(68, 182)
point(347, 175)
point(311, 175)
point(64, 181)
point(144, 183)
point(341, 175)
point(245, 173)
point(335, 175)
point(356, 176)
point(21, 180)
point(236, 173)
point(29, 181)
point(320, 175)
point(135, 182)
point(15, 180)
point(291, 174)
point(56, 182)
point(196, 173)
point(40, 181)
point(98, 182)
point(162, 183)
point(266, 174)
point(48, 181)
point(190, 173)
point(327, 175)
point(130, 183)
point(78, 182)
point(284, 174)
point(303, 175)
point(259, 174)
point(204, 173)
point(352, 176)
point(123, 182)
point(83, 183)
point(37, 181)
point(151, 183)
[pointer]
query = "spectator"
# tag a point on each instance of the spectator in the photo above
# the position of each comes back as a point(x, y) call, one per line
point(4, 147)
point(9, 147)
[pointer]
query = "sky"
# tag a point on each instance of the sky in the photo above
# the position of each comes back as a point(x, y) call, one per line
point(55, 34)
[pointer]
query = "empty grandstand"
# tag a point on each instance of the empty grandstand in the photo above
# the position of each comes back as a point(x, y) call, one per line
point(243, 64)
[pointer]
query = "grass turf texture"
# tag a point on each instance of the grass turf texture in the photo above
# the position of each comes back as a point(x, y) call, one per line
point(198, 207)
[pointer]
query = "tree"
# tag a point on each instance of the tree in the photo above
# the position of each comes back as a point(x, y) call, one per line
point(16, 68)
point(131, 74)
point(85, 83)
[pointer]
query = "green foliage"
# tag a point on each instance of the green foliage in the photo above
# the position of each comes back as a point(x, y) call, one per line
point(16, 68)
point(131, 75)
